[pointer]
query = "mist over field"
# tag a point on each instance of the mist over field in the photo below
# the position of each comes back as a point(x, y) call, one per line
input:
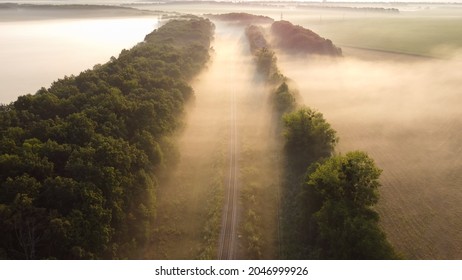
point(61, 47)
point(406, 114)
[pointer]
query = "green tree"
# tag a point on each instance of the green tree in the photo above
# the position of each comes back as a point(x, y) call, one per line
point(309, 137)
point(347, 225)
point(284, 99)
point(267, 65)
point(353, 178)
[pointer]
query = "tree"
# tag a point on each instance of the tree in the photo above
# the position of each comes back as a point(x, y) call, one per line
point(284, 99)
point(347, 225)
point(309, 137)
point(353, 178)
point(267, 65)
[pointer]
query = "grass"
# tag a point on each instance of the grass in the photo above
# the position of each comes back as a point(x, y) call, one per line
point(214, 204)
point(258, 227)
point(188, 226)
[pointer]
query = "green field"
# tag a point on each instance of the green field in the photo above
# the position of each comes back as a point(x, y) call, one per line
point(427, 36)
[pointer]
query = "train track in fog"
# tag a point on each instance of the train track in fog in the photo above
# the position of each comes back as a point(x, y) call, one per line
point(227, 245)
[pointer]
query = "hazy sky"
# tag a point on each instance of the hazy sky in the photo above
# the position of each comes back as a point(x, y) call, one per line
point(148, 1)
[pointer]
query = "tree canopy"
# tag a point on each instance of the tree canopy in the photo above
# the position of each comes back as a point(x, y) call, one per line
point(309, 137)
point(80, 160)
point(347, 225)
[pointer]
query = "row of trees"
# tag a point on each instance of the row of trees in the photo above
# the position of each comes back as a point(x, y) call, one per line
point(295, 39)
point(80, 160)
point(241, 18)
point(327, 198)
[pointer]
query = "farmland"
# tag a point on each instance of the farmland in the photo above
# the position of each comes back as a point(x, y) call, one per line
point(434, 36)
point(410, 124)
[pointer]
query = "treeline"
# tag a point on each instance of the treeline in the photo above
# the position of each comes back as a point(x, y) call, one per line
point(241, 18)
point(295, 39)
point(80, 160)
point(283, 98)
point(351, 9)
point(255, 37)
point(327, 199)
point(292, 39)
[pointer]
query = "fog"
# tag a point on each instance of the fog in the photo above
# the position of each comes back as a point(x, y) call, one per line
point(405, 112)
point(36, 53)
point(191, 201)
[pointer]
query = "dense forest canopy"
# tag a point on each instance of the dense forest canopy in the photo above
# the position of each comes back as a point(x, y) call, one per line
point(80, 160)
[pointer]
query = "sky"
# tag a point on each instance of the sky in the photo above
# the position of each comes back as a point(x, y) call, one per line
point(147, 1)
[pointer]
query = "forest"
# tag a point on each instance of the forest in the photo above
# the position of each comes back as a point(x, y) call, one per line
point(81, 159)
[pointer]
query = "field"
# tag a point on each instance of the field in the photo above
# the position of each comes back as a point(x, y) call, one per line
point(403, 114)
point(58, 36)
point(410, 124)
point(434, 37)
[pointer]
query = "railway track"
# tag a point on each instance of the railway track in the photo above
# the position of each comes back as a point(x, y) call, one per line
point(227, 245)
